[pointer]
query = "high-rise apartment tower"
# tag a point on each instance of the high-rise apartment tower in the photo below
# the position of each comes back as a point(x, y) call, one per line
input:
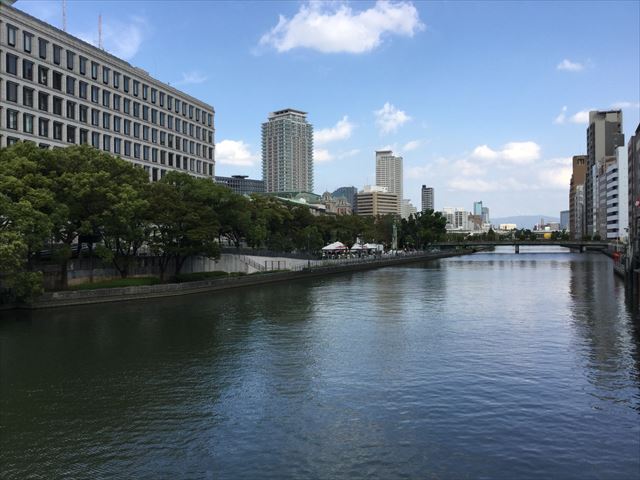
point(428, 198)
point(604, 135)
point(389, 173)
point(287, 152)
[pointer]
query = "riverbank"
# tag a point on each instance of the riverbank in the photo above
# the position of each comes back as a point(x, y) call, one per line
point(121, 294)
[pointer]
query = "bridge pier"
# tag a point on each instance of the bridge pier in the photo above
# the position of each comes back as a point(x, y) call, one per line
point(517, 248)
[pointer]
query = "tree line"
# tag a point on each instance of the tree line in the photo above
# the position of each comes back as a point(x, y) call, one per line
point(52, 201)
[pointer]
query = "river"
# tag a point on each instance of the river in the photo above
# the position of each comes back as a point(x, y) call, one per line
point(494, 365)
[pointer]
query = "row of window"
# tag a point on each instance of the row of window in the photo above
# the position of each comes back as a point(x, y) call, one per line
point(109, 76)
point(107, 99)
point(71, 134)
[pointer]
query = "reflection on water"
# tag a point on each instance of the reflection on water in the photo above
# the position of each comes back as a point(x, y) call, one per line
point(487, 366)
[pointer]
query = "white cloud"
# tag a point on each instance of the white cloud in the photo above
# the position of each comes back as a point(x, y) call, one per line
point(483, 152)
point(560, 119)
point(235, 152)
point(521, 152)
point(622, 105)
point(517, 153)
point(420, 172)
point(192, 77)
point(480, 185)
point(332, 27)
point(580, 117)
point(469, 168)
point(555, 178)
point(349, 153)
point(122, 39)
point(411, 145)
point(389, 118)
point(322, 155)
point(341, 131)
point(569, 66)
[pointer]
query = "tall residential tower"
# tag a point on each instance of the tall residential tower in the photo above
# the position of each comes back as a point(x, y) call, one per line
point(427, 198)
point(287, 152)
point(389, 173)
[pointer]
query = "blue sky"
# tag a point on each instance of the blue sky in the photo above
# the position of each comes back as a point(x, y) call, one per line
point(484, 100)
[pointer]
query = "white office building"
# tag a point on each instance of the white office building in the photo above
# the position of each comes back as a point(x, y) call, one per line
point(617, 196)
point(428, 198)
point(57, 90)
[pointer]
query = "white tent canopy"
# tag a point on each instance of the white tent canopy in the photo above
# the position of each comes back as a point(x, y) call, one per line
point(335, 247)
point(357, 247)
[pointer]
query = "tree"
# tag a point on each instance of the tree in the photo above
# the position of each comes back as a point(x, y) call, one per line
point(185, 222)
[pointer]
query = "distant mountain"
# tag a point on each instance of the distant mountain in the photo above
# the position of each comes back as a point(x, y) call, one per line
point(524, 221)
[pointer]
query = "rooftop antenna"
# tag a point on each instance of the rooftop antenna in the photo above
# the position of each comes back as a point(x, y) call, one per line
point(100, 31)
point(64, 15)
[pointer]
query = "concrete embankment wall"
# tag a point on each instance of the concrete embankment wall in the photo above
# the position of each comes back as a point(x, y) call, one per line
point(85, 297)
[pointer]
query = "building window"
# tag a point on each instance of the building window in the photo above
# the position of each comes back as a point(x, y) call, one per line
point(27, 123)
point(184, 108)
point(163, 138)
point(43, 101)
point(116, 102)
point(116, 80)
point(177, 106)
point(84, 136)
point(71, 85)
point(154, 116)
point(12, 141)
point(27, 96)
point(12, 64)
point(136, 109)
point(162, 99)
point(154, 95)
point(136, 150)
point(116, 145)
point(94, 70)
point(145, 153)
point(127, 106)
point(56, 81)
point(125, 83)
point(95, 117)
point(82, 89)
point(42, 48)
point(83, 65)
point(43, 127)
point(116, 124)
point(27, 69)
point(71, 134)
point(136, 130)
point(169, 102)
point(170, 159)
point(145, 133)
point(170, 122)
point(145, 113)
point(27, 41)
point(127, 127)
point(106, 98)
point(70, 60)
point(127, 148)
point(163, 157)
point(57, 131)
point(106, 120)
point(95, 139)
point(95, 94)
point(106, 143)
point(154, 135)
point(11, 35)
point(136, 86)
point(145, 91)
point(71, 110)
point(105, 75)
point(162, 117)
point(83, 113)
point(191, 111)
point(12, 119)
point(57, 53)
point(12, 92)
point(154, 155)
point(57, 106)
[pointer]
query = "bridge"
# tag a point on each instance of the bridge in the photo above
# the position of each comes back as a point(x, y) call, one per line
point(580, 245)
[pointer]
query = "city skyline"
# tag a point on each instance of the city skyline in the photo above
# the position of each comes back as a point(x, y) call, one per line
point(500, 121)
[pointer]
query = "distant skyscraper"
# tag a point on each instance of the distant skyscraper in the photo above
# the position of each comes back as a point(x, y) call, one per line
point(564, 219)
point(389, 173)
point(485, 215)
point(375, 200)
point(477, 208)
point(287, 152)
point(428, 198)
point(348, 193)
point(604, 134)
